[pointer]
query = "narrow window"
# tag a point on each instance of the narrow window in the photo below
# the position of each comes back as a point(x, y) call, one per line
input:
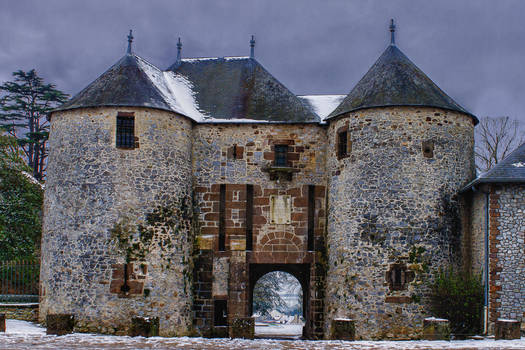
point(311, 217)
point(125, 130)
point(343, 144)
point(281, 155)
point(220, 312)
point(222, 214)
point(428, 149)
point(249, 217)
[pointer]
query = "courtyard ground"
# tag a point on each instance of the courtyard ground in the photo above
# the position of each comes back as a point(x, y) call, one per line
point(26, 335)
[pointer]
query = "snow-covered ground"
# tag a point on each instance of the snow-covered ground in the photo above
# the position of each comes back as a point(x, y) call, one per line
point(25, 335)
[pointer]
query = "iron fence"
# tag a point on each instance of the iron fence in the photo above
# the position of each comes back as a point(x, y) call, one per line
point(19, 277)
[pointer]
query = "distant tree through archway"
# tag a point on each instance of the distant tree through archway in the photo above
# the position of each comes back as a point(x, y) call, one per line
point(278, 306)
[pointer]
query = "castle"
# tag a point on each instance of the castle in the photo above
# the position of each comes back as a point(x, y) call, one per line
point(169, 193)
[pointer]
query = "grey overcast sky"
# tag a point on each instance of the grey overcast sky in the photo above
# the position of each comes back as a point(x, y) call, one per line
point(473, 49)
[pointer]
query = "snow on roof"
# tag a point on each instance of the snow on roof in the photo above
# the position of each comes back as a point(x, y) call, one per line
point(323, 105)
point(175, 89)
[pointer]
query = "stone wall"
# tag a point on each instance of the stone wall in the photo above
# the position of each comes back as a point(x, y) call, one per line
point(476, 243)
point(238, 155)
point(507, 249)
point(116, 235)
point(393, 215)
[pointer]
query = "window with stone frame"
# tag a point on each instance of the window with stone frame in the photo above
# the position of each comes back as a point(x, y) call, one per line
point(343, 143)
point(281, 155)
point(125, 135)
point(398, 277)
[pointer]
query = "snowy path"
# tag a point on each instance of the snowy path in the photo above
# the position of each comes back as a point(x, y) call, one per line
point(24, 335)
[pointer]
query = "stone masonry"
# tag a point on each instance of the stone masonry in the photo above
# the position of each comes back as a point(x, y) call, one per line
point(507, 249)
point(110, 212)
point(391, 207)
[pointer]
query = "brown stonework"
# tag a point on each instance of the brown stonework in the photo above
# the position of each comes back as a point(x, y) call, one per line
point(59, 324)
point(507, 329)
point(398, 299)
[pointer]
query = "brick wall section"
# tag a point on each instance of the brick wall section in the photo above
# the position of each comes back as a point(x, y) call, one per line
point(507, 249)
point(217, 162)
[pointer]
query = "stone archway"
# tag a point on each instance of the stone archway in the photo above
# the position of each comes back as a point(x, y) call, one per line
point(300, 271)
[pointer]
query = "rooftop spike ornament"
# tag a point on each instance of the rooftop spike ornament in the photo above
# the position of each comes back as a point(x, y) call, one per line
point(252, 47)
point(179, 51)
point(130, 40)
point(392, 32)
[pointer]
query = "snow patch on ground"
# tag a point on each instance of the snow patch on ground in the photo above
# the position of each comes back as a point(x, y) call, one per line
point(25, 335)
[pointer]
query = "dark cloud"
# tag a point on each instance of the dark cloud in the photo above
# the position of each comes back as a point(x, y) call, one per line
point(474, 50)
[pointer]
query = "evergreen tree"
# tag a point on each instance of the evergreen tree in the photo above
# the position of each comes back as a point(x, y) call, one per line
point(24, 104)
point(20, 204)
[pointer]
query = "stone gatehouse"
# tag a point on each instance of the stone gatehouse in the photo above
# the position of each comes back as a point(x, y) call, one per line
point(171, 192)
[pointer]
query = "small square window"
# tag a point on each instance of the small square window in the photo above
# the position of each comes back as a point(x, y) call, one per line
point(125, 131)
point(281, 155)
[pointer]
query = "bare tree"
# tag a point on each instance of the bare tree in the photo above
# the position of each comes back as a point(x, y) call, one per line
point(495, 139)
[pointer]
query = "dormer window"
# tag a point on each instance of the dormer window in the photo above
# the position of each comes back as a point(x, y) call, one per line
point(281, 155)
point(125, 137)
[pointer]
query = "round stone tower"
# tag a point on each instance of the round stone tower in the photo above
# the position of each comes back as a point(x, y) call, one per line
point(401, 150)
point(117, 226)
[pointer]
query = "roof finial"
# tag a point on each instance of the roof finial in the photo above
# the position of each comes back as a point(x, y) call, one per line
point(252, 47)
point(130, 40)
point(392, 32)
point(179, 50)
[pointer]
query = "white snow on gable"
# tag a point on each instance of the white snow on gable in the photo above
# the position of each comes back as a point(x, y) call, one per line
point(323, 105)
point(181, 88)
point(175, 89)
point(519, 165)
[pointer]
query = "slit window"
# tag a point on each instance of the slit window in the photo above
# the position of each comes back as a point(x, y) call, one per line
point(281, 155)
point(343, 144)
point(428, 149)
point(125, 131)
point(222, 217)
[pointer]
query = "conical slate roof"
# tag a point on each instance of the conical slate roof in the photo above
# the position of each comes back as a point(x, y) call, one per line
point(394, 80)
point(124, 84)
point(237, 88)
point(509, 170)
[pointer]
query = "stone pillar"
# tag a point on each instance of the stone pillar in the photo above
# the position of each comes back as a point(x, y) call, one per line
point(436, 329)
point(242, 327)
point(342, 329)
point(507, 329)
point(60, 324)
point(144, 327)
point(2, 322)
